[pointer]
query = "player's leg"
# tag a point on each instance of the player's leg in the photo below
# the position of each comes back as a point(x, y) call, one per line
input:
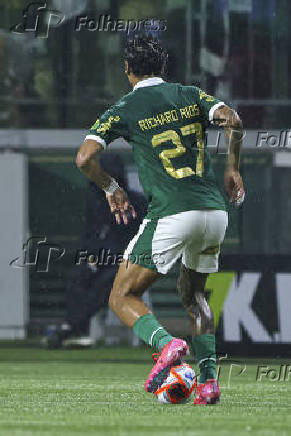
point(131, 281)
point(200, 259)
point(149, 253)
point(125, 299)
point(135, 275)
point(191, 286)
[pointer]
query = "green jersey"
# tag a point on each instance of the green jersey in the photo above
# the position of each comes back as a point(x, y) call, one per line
point(165, 124)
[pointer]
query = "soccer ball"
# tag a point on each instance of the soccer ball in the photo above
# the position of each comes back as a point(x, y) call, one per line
point(178, 386)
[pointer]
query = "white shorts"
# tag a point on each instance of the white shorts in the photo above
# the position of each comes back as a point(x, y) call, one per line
point(194, 235)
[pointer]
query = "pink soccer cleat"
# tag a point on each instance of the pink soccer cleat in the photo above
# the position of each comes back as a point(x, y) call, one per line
point(207, 393)
point(171, 353)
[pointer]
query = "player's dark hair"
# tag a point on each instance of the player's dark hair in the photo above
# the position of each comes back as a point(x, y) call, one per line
point(145, 56)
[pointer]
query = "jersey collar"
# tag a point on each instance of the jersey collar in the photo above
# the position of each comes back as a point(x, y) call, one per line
point(151, 81)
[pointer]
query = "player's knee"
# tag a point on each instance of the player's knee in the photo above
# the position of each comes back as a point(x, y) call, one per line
point(114, 300)
point(117, 296)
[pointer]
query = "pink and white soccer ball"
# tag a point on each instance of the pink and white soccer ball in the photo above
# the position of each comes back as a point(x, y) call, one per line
point(179, 385)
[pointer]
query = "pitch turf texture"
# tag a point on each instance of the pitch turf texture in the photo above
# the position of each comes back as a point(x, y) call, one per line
point(100, 392)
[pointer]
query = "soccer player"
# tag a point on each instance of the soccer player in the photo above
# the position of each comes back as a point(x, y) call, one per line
point(165, 124)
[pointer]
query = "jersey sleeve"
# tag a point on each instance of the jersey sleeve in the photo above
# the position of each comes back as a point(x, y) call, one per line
point(110, 126)
point(208, 104)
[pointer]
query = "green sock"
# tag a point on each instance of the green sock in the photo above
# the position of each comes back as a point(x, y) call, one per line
point(151, 332)
point(204, 348)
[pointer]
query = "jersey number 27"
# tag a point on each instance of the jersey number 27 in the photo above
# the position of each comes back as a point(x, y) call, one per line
point(167, 155)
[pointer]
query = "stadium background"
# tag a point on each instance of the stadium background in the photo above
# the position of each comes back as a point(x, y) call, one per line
point(52, 90)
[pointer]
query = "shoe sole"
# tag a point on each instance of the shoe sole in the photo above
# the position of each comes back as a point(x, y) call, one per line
point(154, 381)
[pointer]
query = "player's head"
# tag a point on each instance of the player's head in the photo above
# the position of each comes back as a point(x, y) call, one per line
point(144, 56)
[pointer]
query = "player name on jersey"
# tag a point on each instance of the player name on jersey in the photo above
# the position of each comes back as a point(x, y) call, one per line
point(169, 117)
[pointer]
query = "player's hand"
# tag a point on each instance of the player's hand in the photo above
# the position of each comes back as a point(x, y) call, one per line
point(120, 206)
point(234, 186)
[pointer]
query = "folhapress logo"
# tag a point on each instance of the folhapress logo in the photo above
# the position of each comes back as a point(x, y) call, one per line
point(37, 18)
point(39, 254)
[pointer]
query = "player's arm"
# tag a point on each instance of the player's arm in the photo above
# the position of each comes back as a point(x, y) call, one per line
point(227, 118)
point(87, 161)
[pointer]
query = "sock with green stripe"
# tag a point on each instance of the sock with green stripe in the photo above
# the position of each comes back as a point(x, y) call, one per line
point(205, 353)
point(151, 332)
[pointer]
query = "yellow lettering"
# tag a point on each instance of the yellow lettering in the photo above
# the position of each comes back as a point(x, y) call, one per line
point(183, 112)
point(168, 116)
point(142, 125)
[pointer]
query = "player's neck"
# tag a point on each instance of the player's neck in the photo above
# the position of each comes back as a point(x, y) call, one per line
point(136, 79)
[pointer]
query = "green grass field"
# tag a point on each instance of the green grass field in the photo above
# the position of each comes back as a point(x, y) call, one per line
point(99, 392)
